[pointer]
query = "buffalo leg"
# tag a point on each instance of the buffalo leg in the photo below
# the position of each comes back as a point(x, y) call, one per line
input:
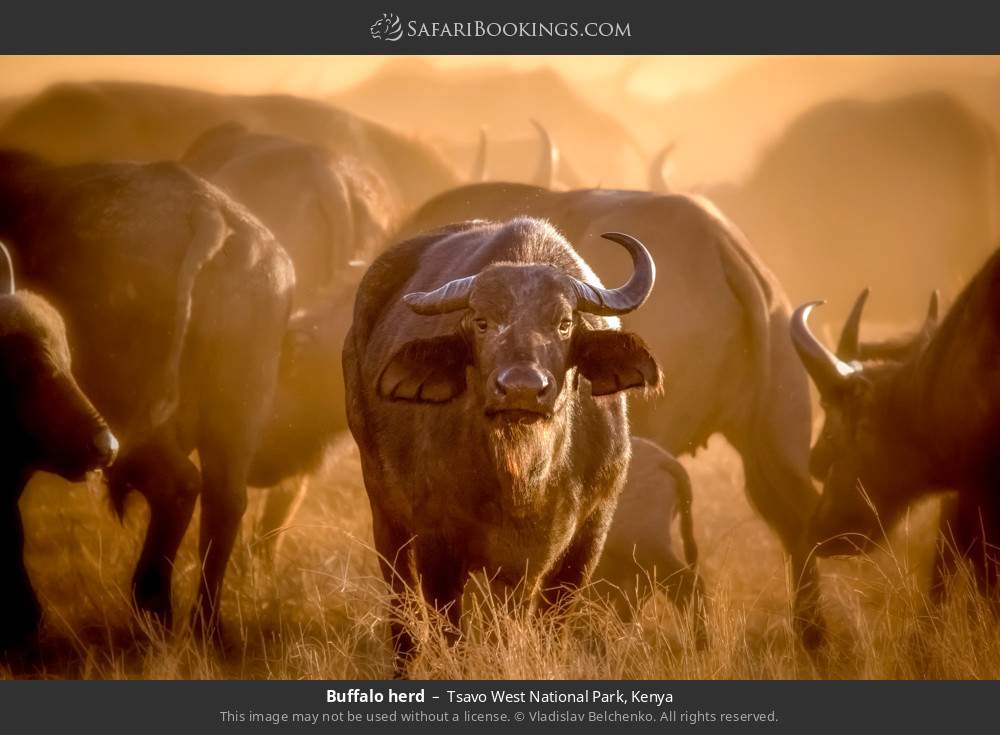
point(773, 438)
point(442, 579)
point(230, 422)
point(790, 527)
point(779, 487)
point(163, 474)
point(974, 530)
point(171, 502)
point(684, 588)
point(989, 551)
point(573, 570)
point(223, 503)
point(282, 503)
point(20, 612)
point(397, 565)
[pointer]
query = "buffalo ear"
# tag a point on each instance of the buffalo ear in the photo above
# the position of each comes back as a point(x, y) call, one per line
point(426, 370)
point(614, 361)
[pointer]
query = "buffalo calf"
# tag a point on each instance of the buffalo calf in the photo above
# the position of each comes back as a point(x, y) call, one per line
point(638, 556)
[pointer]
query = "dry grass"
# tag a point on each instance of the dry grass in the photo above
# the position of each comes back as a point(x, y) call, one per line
point(321, 612)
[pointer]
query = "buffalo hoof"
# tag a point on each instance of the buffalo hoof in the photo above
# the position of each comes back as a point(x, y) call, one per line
point(152, 604)
point(18, 644)
point(19, 620)
point(811, 631)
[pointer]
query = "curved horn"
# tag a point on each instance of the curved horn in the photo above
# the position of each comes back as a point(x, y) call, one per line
point(452, 296)
point(849, 347)
point(548, 163)
point(931, 320)
point(614, 301)
point(478, 172)
point(657, 181)
point(827, 370)
point(9, 291)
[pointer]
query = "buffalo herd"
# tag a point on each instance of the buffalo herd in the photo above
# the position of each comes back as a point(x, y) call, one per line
point(240, 279)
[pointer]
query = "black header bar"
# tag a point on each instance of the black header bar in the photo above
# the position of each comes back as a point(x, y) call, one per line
point(509, 27)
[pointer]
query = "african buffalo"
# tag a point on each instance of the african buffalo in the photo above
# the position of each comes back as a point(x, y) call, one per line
point(331, 213)
point(895, 349)
point(484, 371)
point(328, 211)
point(638, 556)
point(850, 349)
point(177, 301)
point(904, 189)
point(307, 413)
point(49, 425)
point(717, 301)
point(82, 122)
point(904, 429)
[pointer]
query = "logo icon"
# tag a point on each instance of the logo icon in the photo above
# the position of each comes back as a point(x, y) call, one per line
point(387, 28)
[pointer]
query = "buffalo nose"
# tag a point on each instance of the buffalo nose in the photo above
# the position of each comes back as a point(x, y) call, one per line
point(522, 382)
point(107, 446)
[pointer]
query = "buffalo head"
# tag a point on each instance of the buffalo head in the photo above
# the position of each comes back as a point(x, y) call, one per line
point(526, 340)
point(850, 349)
point(49, 423)
point(863, 455)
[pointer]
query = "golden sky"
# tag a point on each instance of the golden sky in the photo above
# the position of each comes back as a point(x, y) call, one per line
point(313, 75)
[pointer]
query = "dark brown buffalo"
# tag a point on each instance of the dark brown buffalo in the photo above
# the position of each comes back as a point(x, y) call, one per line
point(328, 183)
point(177, 301)
point(850, 349)
point(894, 349)
point(905, 429)
point(331, 213)
point(485, 374)
point(638, 556)
point(328, 211)
point(717, 302)
point(49, 425)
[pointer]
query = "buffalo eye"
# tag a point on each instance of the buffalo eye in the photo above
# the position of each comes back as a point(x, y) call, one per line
point(565, 326)
point(481, 325)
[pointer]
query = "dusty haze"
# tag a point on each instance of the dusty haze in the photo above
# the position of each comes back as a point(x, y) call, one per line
point(844, 172)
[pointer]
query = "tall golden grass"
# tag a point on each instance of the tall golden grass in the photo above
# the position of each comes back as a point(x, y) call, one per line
point(320, 612)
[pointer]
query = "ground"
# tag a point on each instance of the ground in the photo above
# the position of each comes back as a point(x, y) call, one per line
point(320, 612)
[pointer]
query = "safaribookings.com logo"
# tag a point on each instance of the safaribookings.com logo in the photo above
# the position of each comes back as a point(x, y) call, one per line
point(390, 28)
point(387, 28)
